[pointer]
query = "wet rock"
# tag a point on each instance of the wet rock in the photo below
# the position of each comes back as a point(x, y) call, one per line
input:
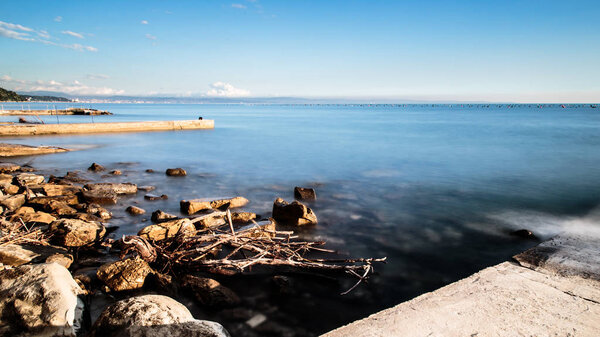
point(160, 216)
point(12, 202)
point(150, 316)
point(123, 275)
point(168, 229)
point(64, 260)
point(102, 197)
point(295, 213)
point(242, 217)
point(18, 254)
point(302, 193)
point(39, 300)
point(76, 233)
point(176, 172)
point(25, 179)
point(213, 219)
point(154, 197)
point(133, 210)
point(8, 167)
point(149, 171)
point(98, 211)
point(118, 188)
point(193, 206)
point(96, 168)
point(116, 172)
point(53, 190)
point(146, 188)
point(210, 292)
point(524, 233)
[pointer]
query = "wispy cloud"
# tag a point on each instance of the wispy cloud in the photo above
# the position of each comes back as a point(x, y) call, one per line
point(221, 89)
point(72, 88)
point(97, 77)
point(150, 37)
point(19, 32)
point(144, 22)
point(77, 35)
point(238, 6)
point(58, 19)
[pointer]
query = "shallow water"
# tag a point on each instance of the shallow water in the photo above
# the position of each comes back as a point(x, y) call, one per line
point(436, 189)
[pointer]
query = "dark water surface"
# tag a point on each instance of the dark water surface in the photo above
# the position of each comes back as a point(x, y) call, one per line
point(436, 189)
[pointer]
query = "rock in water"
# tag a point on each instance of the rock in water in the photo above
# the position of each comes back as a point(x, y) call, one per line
point(151, 316)
point(168, 229)
point(295, 213)
point(176, 172)
point(193, 206)
point(122, 275)
point(302, 193)
point(102, 197)
point(8, 167)
point(39, 300)
point(121, 188)
point(160, 216)
point(96, 167)
point(76, 233)
point(116, 172)
point(133, 210)
point(210, 292)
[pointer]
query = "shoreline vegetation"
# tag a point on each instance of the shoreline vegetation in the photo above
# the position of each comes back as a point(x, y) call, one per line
point(55, 245)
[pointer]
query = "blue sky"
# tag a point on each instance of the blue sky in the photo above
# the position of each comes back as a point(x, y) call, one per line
point(522, 51)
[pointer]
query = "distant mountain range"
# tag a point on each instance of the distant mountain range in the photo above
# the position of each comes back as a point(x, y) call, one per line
point(7, 95)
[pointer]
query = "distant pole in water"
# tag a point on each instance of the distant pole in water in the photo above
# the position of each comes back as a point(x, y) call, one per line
point(200, 118)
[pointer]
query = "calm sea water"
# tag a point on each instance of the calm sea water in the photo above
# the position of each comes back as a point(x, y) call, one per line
point(436, 189)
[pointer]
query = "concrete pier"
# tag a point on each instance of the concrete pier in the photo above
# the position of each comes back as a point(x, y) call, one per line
point(75, 128)
point(552, 290)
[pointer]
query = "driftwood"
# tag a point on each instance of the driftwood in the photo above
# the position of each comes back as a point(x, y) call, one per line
point(227, 252)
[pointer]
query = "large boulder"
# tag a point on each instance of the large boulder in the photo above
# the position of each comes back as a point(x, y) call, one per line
point(39, 300)
point(210, 292)
point(126, 274)
point(150, 316)
point(76, 233)
point(295, 213)
point(168, 229)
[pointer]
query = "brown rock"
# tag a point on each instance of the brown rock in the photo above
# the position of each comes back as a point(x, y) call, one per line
point(193, 206)
point(18, 254)
point(262, 229)
point(102, 197)
point(76, 233)
point(154, 197)
point(242, 217)
point(60, 208)
point(146, 188)
point(176, 172)
point(8, 167)
point(229, 203)
point(99, 211)
point(168, 229)
point(295, 213)
point(12, 202)
point(123, 275)
point(29, 215)
point(64, 260)
point(87, 217)
point(213, 219)
point(118, 188)
point(133, 210)
point(302, 193)
point(53, 190)
point(210, 292)
point(149, 171)
point(43, 201)
point(160, 216)
point(25, 179)
point(116, 172)
point(6, 178)
point(11, 189)
point(96, 167)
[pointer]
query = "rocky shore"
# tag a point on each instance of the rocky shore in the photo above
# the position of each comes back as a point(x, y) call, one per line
point(63, 273)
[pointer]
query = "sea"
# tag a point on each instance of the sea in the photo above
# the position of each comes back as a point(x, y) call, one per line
point(435, 188)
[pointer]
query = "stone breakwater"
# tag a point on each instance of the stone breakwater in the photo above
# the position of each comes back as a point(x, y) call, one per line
point(57, 253)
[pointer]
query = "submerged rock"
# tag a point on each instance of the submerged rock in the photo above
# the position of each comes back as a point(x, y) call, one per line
point(168, 229)
point(151, 316)
point(176, 172)
point(302, 193)
point(122, 275)
point(210, 292)
point(295, 213)
point(96, 167)
point(146, 188)
point(116, 172)
point(154, 197)
point(39, 300)
point(76, 233)
point(133, 210)
point(524, 233)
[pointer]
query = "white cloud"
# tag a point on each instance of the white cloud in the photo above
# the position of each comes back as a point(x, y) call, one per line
point(97, 77)
point(221, 89)
point(77, 35)
point(19, 32)
point(73, 88)
point(238, 6)
point(150, 37)
point(58, 19)
point(144, 22)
